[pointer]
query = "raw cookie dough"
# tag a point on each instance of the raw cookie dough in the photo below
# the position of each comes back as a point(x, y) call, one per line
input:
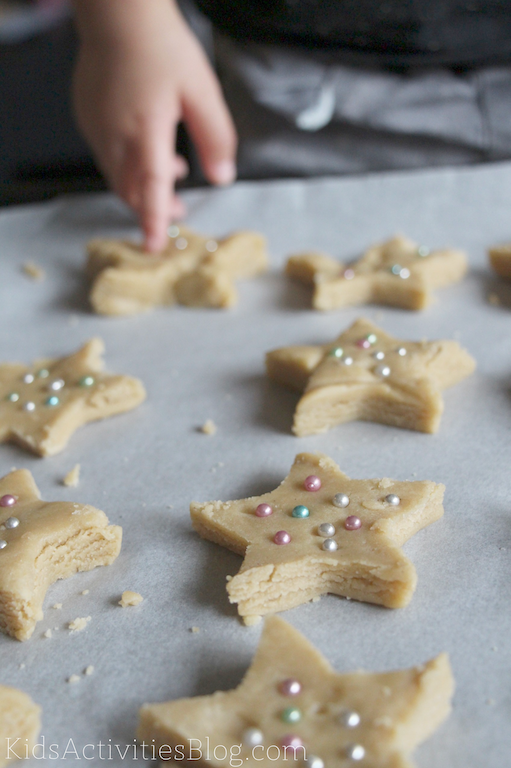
point(300, 543)
point(500, 259)
point(192, 270)
point(291, 692)
point(41, 406)
point(367, 374)
point(20, 723)
point(41, 542)
point(398, 272)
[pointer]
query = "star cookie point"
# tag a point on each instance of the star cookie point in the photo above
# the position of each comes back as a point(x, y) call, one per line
point(20, 724)
point(192, 270)
point(398, 272)
point(41, 542)
point(319, 532)
point(292, 698)
point(367, 374)
point(41, 406)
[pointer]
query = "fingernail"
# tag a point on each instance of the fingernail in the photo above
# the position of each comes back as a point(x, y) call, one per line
point(223, 172)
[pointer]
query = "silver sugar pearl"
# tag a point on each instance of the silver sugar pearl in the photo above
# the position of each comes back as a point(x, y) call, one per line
point(350, 719)
point(355, 752)
point(393, 500)
point(382, 370)
point(313, 761)
point(3, 544)
point(326, 530)
point(423, 250)
point(211, 246)
point(330, 545)
point(173, 231)
point(30, 406)
point(181, 243)
point(28, 378)
point(348, 361)
point(11, 522)
point(401, 351)
point(252, 737)
point(379, 355)
point(404, 273)
point(57, 385)
point(341, 500)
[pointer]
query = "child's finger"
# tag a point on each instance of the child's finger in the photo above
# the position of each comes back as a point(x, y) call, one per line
point(210, 124)
point(156, 176)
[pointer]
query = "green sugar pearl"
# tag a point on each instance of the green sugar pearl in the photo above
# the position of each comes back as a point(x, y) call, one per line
point(337, 352)
point(372, 338)
point(86, 381)
point(52, 401)
point(291, 715)
point(13, 397)
point(300, 511)
point(43, 373)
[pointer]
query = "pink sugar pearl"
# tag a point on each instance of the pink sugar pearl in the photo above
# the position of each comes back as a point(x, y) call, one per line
point(364, 344)
point(282, 537)
point(8, 500)
point(290, 687)
point(264, 510)
point(312, 483)
point(352, 523)
point(292, 741)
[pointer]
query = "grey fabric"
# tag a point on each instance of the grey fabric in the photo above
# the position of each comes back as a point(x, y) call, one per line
point(300, 113)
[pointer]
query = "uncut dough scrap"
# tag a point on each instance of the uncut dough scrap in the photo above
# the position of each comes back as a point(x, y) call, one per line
point(410, 397)
point(398, 710)
point(373, 279)
point(46, 430)
point(126, 280)
point(500, 259)
point(368, 564)
point(53, 540)
point(19, 719)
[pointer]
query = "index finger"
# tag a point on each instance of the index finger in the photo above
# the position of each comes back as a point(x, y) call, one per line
point(156, 177)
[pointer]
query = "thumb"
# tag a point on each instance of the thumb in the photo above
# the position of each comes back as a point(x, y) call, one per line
point(212, 129)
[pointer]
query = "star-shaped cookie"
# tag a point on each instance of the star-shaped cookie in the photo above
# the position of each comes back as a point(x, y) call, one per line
point(293, 708)
point(20, 723)
point(398, 272)
point(368, 375)
point(41, 542)
point(192, 270)
point(41, 406)
point(320, 532)
point(500, 259)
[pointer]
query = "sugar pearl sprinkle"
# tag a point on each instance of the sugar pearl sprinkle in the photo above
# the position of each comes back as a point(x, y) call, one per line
point(28, 378)
point(337, 352)
point(313, 761)
point(350, 719)
point(3, 544)
point(326, 530)
point(382, 370)
point(282, 537)
point(349, 274)
point(57, 385)
point(300, 512)
point(393, 500)
point(423, 251)
point(11, 523)
point(363, 344)
point(181, 243)
point(52, 401)
point(401, 351)
point(8, 500)
point(86, 381)
point(348, 361)
point(355, 752)
point(30, 406)
point(352, 523)
point(379, 355)
point(290, 687)
point(312, 483)
point(252, 737)
point(291, 741)
point(173, 231)
point(341, 500)
point(211, 246)
point(291, 715)
point(13, 397)
point(329, 545)
point(264, 510)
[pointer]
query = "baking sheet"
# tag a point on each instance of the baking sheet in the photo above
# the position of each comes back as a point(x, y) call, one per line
point(144, 468)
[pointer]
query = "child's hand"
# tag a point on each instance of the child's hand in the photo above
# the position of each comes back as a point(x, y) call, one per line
point(140, 71)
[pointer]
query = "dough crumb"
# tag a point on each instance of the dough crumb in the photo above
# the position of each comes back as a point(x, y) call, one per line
point(250, 621)
point(77, 625)
point(33, 271)
point(73, 679)
point(72, 478)
point(490, 702)
point(228, 578)
point(57, 606)
point(89, 670)
point(21, 666)
point(85, 592)
point(130, 598)
point(48, 633)
point(194, 630)
point(209, 427)
point(494, 299)
point(316, 599)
